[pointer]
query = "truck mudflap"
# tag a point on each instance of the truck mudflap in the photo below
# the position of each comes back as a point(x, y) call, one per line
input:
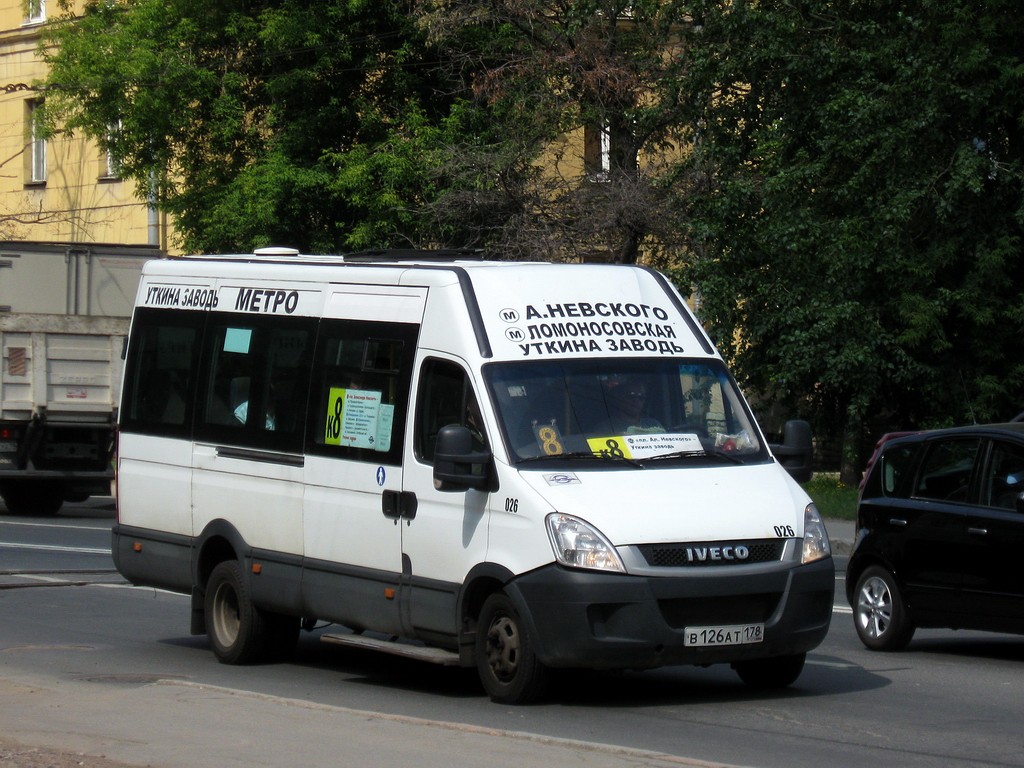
point(585, 619)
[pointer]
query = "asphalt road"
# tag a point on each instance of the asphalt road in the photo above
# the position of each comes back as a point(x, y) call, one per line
point(89, 664)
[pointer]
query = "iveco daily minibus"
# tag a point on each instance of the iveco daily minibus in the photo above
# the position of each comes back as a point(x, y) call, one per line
point(512, 466)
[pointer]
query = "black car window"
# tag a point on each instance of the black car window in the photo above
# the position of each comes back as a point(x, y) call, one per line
point(1004, 479)
point(946, 470)
point(896, 469)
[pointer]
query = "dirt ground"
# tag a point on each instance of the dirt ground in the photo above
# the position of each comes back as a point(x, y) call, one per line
point(15, 755)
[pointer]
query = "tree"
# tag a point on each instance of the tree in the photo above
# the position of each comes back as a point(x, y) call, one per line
point(857, 239)
point(257, 122)
point(841, 183)
point(605, 70)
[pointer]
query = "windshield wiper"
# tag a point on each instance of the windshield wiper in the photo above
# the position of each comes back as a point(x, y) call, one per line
point(585, 455)
point(713, 453)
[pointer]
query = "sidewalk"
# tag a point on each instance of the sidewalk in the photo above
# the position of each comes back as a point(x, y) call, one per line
point(168, 723)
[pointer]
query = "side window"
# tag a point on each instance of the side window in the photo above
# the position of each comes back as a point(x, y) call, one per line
point(1004, 479)
point(946, 470)
point(445, 397)
point(160, 372)
point(360, 390)
point(255, 381)
point(896, 467)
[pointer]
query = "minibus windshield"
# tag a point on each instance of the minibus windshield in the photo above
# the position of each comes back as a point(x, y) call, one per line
point(634, 409)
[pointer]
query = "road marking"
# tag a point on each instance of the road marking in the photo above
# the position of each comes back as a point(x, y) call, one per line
point(55, 548)
point(116, 585)
point(832, 664)
point(58, 525)
point(44, 579)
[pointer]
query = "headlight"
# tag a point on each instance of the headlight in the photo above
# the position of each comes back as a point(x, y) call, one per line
point(579, 545)
point(816, 544)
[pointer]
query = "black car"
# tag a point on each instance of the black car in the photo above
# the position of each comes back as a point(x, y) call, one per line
point(940, 535)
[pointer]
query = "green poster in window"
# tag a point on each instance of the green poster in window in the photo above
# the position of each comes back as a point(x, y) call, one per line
point(335, 410)
point(356, 418)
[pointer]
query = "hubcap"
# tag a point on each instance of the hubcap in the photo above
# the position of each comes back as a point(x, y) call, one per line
point(225, 615)
point(874, 607)
point(503, 647)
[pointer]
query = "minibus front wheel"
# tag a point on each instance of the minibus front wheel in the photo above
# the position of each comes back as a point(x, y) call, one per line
point(237, 629)
point(505, 657)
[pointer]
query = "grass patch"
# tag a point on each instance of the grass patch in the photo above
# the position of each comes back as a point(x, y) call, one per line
point(832, 498)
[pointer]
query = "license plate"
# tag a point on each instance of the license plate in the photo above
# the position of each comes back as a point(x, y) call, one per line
point(733, 634)
point(7, 447)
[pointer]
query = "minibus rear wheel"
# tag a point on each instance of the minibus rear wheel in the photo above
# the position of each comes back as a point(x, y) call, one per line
point(505, 657)
point(237, 629)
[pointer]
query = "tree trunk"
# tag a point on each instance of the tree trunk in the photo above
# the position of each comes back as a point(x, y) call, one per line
point(851, 464)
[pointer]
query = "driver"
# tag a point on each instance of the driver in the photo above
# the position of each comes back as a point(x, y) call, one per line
point(627, 402)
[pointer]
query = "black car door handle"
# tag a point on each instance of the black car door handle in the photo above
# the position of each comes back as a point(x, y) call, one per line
point(978, 531)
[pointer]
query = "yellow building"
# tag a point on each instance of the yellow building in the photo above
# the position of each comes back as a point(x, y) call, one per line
point(65, 189)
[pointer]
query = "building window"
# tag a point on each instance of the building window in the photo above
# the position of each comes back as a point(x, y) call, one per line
point(597, 152)
point(36, 143)
point(36, 11)
point(110, 168)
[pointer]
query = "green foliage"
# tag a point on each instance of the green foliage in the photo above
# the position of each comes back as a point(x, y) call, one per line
point(841, 183)
point(236, 116)
point(542, 71)
point(860, 237)
point(834, 499)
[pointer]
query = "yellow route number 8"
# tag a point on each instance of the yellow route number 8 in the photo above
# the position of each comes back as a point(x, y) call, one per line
point(549, 440)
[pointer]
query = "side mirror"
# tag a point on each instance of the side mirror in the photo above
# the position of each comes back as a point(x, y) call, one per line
point(457, 467)
point(796, 454)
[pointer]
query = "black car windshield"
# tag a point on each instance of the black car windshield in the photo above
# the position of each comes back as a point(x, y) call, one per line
point(638, 409)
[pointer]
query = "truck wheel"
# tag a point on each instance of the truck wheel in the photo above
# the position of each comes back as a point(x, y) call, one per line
point(505, 658)
point(32, 498)
point(236, 628)
point(880, 615)
point(776, 672)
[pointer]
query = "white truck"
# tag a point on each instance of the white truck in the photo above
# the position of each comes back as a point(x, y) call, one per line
point(64, 313)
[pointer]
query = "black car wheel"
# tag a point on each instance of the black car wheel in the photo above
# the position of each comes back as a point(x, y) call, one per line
point(879, 614)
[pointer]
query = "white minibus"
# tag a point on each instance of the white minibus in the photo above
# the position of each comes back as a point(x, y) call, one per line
point(511, 466)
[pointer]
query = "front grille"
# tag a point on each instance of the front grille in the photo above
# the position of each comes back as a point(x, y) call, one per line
point(711, 553)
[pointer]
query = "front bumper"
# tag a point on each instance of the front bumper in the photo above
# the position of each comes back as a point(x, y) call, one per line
point(607, 621)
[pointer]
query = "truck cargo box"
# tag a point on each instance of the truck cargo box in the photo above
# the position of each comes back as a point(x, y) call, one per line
point(64, 315)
